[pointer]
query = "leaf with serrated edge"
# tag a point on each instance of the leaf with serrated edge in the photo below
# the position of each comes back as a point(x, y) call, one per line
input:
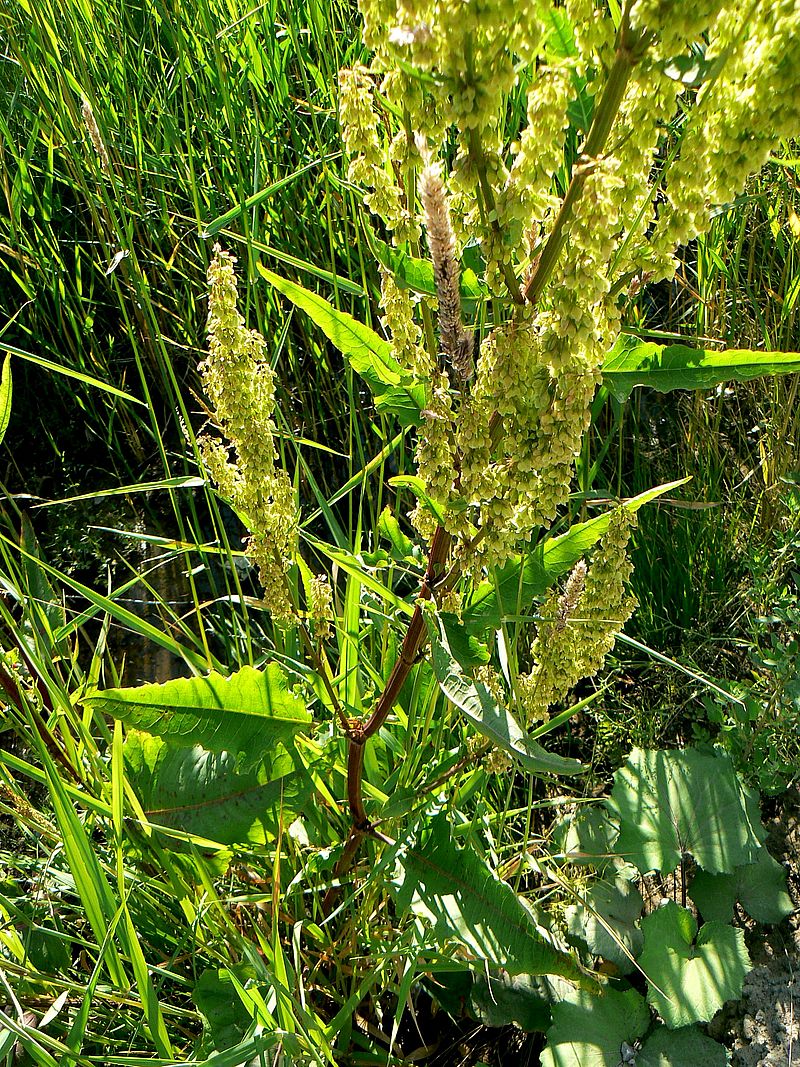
point(689, 979)
point(247, 713)
point(670, 803)
point(463, 900)
point(589, 1031)
point(479, 707)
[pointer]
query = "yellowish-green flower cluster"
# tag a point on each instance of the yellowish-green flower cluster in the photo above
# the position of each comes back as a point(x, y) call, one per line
point(594, 33)
point(742, 113)
point(578, 628)
point(404, 333)
point(676, 24)
point(320, 605)
point(369, 166)
point(436, 449)
point(241, 387)
point(527, 196)
point(499, 451)
point(467, 45)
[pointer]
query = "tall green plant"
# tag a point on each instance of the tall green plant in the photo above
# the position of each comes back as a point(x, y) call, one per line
point(403, 676)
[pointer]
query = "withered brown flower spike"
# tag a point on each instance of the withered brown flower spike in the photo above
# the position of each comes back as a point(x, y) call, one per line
point(455, 341)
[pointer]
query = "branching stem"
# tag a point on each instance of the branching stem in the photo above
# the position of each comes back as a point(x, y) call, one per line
point(631, 46)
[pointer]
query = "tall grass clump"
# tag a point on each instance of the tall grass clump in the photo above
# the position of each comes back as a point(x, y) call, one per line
point(365, 798)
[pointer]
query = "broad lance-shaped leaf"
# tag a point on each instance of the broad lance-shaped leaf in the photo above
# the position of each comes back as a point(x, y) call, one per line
point(632, 362)
point(691, 975)
point(201, 793)
point(248, 713)
point(492, 721)
point(520, 580)
point(760, 887)
point(367, 353)
point(463, 900)
point(592, 1031)
point(671, 803)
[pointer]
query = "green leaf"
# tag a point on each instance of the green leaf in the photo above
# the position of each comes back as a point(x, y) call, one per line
point(632, 362)
point(416, 485)
point(258, 198)
point(248, 713)
point(690, 978)
point(760, 887)
point(520, 580)
point(479, 707)
point(687, 1047)
point(402, 546)
point(5, 397)
point(367, 353)
point(463, 900)
point(465, 649)
point(417, 274)
point(587, 837)
point(58, 368)
point(606, 920)
point(225, 1018)
point(672, 803)
point(591, 1031)
point(494, 998)
point(200, 792)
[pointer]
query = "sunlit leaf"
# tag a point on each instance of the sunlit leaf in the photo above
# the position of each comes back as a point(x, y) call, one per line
point(632, 362)
point(519, 580)
point(490, 719)
point(366, 352)
point(591, 1031)
point(247, 713)
point(691, 974)
point(464, 901)
point(675, 803)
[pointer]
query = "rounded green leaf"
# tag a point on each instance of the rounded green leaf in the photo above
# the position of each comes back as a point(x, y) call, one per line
point(690, 978)
point(760, 888)
point(591, 1031)
point(674, 803)
point(688, 1047)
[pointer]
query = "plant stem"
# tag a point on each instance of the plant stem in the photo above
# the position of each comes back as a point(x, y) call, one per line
point(630, 49)
point(358, 735)
point(479, 160)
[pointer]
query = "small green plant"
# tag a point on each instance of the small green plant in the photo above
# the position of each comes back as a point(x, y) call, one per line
point(686, 817)
point(372, 751)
